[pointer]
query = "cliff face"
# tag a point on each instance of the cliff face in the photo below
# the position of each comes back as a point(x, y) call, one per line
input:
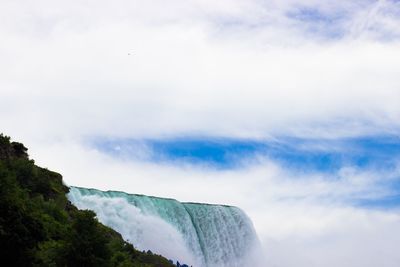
point(40, 227)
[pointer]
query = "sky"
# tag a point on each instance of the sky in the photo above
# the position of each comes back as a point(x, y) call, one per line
point(287, 109)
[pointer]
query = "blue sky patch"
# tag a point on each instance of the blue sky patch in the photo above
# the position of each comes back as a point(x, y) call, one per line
point(317, 22)
point(296, 153)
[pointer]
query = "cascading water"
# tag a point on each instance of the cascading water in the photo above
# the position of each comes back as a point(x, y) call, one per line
point(198, 234)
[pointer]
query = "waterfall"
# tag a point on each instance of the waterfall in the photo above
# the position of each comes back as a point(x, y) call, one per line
point(197, 234)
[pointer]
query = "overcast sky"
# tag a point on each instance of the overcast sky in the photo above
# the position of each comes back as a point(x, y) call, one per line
point(287, 109)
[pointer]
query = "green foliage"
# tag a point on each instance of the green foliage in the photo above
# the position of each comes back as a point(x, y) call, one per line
point(40, 227)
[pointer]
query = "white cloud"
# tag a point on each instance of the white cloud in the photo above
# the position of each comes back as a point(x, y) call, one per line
point(316, 236)
point(232, 68)
point(191, 66)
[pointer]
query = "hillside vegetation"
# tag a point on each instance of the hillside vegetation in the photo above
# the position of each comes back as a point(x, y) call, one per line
point(40, 227)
